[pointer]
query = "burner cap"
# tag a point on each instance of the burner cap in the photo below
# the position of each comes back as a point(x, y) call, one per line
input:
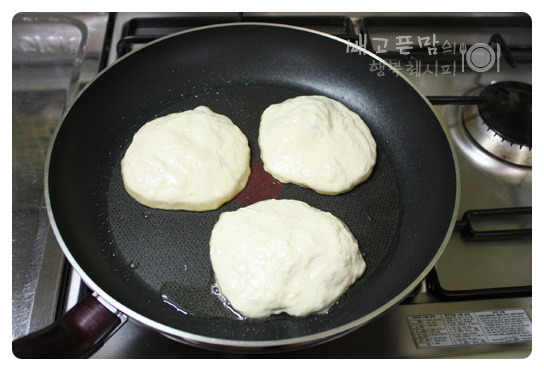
point(502, 125)
point(508, 111)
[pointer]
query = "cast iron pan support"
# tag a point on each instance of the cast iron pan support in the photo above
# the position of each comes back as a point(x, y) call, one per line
point(465, 224)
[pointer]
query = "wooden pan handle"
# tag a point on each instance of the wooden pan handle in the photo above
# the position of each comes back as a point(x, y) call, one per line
point(82, 330)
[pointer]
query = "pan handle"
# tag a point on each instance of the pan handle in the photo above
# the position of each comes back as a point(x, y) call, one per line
point(80, 332)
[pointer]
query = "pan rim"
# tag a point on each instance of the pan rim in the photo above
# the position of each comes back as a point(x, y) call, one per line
point(219, 343)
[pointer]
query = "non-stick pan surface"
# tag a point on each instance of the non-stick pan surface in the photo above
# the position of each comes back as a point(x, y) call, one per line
point(154, 264)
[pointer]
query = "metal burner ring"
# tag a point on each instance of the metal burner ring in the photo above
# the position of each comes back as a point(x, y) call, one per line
point(493, 142)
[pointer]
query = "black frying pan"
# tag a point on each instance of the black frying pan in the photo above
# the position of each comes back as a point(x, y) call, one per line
point(153, 265)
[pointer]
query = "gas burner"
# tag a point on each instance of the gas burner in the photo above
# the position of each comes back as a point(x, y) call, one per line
point(502, 124)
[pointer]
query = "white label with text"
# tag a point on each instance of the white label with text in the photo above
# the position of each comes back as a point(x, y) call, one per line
point(470, 328)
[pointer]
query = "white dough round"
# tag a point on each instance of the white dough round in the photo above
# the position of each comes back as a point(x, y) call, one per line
point(283, 256)
point(318, 143)
point(194, 160)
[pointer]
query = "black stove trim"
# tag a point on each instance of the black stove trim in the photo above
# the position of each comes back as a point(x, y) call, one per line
point(436, 289)
point(464, 226)
point(146, 29)
point(523, 52)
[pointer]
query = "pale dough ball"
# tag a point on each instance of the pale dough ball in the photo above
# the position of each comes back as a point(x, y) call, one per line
point(194, 160)
point(318, 143)
point(283, 256)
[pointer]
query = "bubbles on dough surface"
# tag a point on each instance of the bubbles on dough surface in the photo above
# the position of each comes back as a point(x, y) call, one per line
point(193, 160)
point(318, 143)
point(283, 256)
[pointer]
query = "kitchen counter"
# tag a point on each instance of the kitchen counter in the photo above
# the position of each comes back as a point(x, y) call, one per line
point(53, 57)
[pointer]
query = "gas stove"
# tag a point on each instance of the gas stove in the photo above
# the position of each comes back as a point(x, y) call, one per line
point(475, 69)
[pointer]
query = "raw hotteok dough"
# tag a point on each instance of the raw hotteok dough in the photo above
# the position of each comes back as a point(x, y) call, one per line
point(316, 142)
point(193, 160)
point(283, 256)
